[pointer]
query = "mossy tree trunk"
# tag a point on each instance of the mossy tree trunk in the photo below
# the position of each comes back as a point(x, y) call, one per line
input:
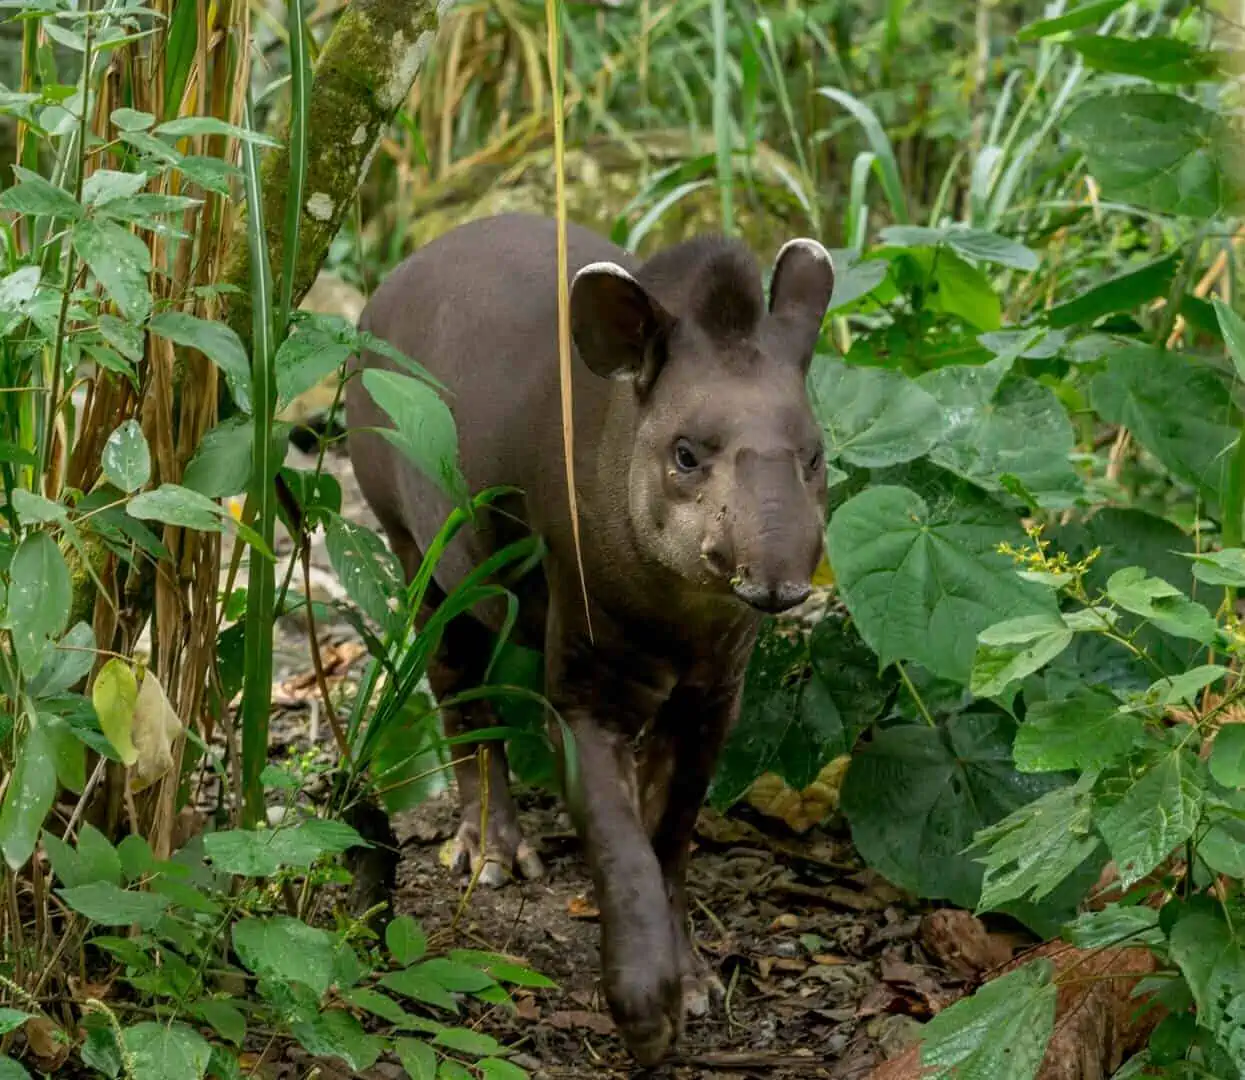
point(365, 72)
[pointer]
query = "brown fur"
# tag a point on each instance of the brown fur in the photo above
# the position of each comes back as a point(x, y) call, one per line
point(678, 360)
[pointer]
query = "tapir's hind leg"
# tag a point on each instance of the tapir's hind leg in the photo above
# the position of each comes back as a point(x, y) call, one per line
point(459, 664)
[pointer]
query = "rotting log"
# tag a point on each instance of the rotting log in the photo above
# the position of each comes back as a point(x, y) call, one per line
point(365, 72)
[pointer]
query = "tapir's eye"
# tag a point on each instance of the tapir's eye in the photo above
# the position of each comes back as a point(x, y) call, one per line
point(685, 457)
point(814, 463)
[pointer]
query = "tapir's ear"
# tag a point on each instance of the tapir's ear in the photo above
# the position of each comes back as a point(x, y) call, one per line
point(800, 292)
point(618, 327)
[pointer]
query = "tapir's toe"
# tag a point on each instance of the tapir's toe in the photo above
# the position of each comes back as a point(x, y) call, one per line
point(646, 1002)
point(702, 993)
point(496, 861)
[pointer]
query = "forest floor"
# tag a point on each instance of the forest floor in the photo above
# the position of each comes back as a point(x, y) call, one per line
point(829, 969)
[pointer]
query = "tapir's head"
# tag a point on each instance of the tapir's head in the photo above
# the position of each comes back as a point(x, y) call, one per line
point(726, 478)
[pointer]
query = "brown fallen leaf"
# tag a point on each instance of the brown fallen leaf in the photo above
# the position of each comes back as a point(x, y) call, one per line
point(800, 810)
point(47, 1043)
point(580, 1018)
point(156, 725)
point(580, 907)
point(1098, 1024)
point(526, 1008)
point(961, 943)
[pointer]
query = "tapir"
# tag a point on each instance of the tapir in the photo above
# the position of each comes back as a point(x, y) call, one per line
point(701, 491)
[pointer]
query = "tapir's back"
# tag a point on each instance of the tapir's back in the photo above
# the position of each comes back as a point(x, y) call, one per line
point(478, 308)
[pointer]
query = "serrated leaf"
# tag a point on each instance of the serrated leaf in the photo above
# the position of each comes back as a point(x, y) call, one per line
point(1227, 756)
point(1086, 731)
point(335, 1033)
point(1225, 567)
point(1161, 603)
point(164, 1051)
point(1000, 1033)
point(872, 417)
point(405, 939)
point(1014, 649)
point(120, 262)
point(28, 796)
point(126, 459)
point(424, 428)
point(285, 949)
point(104, 903)
point(1206, 949)
point(1113, 925)
point(922, 581)
point(40, 593)
point(1157, 814)
point(115, 695)
point(217, 341)
point(262, 852)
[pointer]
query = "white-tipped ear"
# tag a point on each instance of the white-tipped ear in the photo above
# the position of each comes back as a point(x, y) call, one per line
point(615, 322)
point(800, 292)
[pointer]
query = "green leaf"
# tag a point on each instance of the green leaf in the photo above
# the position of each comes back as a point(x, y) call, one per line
point(164, 1051)
point(423, 428)
point(1086, 731)
point(12, 1070)
point(1036, 848)
point(1001, 1032)
point(1155, 58)
point(1222, 846)
point(1114, 924)
point(872, 417)
point(1163, 604)
point(105, 185)
point(261, 852)
point(222, 462)
point(176, 505)
point(68, 751)
point(136, 857)
point(1227, 756)
point(32, 194)
point(1207, 952)
point(417, 1057)
point(1079, 17)
point(306, 357)
point(1156, 814)
point(461, 978)
point(1012, 650)
point(806, 701)
point(466, 1041)
point(922, 581)
point(1159, 151)
point(959, 288)
point(97, 858)
point(40, 593)
point(35, 509)
point(915, 796)
point(1125, 292)
point(285, 949)
point(498, 1069)
point(126, 459)
point(998, 424)
point(126, 119)
point(104, 903)
point(1185, 687)
point(503, 969)
point(367, 569)
point(101, 1049)
point(378, 1005)
point(334, 1033)
point(210, 125)
point(405, 939)
point(452, 1070)
point(1177, 409)
point(123, 336)
point(225, 1019)
point(1225, 567)
point(115, 697)
point(120, 262)
point(413, 983)
point(217, 342)
point(28, 796)
point(12, 1019)
point(979, 244)
point(1232, 327)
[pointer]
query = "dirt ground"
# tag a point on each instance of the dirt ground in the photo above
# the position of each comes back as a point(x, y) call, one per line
point(823, 961)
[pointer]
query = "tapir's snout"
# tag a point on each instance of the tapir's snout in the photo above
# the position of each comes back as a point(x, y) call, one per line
point(773, 599)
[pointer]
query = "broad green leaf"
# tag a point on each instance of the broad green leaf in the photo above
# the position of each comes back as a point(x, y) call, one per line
point(1225, 567)
point(872, 417)
point(1227, 756)
point(136, 857)
point(210, 125)
point(12, 1070)
point(70, 661)
point(1185, 687)
point(923, 580)
point(1177, 409)
point(502, 968)
point(32, 194)
point(1222, 846)
point(261, 852)
point(104, 903)
point(367, 569)
point(1086, 731)
point(466, 1041)
point(1113, 925)
point(418, 986)
point(423, 428)
point(120, 262)
point(417, 1057)
point(28, 796)
point(68, 751)
point(1033, 850)
point(217, 342)
point(40, 593)
point(105, 185)
point(1232, 327)
point(334, 1033)
point(460, 978)
point(123, 336)
point(378, 1005)
point(806, 701)
point(12, 1019)
point(959, 288)
point(1077, 18)
point(406, 941)
point(1012, 650)
point(173, 504)
point(915, 796)
point(453, 1070)
point(1159, 151)
point(225, 1019)
point(166, 1051)
point(979, 244)
point(35, 509)
point(1157, 813)
point(1125, 292)
point(285, 949)
point(1000, 1033)
point(1156, 58)
point(306, 357)
point(221, 464)
point(97, 858)
point(115, 696)
point(500, 1069)
point(1207, 951)
point(100, 1049)
point(126, 119)
point(18, 289)
point(126, 459)
point(1163, 604)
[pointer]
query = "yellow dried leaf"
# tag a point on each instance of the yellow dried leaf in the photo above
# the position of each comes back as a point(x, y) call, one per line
point(156, 725)
point(823, 576)
point(114, 696)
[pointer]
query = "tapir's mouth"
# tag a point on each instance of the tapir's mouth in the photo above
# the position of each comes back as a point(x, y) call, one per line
point(773, 599)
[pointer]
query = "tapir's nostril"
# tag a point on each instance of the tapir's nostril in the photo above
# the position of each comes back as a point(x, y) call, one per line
point(773, 599)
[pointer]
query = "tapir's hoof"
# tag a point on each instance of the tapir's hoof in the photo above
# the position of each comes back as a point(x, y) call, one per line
point(647, 1007)
point(505, 852)
point(702, 994)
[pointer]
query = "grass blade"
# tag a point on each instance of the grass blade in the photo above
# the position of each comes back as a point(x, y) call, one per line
point(722, 117)
point(885, 164)
point(300, 105)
